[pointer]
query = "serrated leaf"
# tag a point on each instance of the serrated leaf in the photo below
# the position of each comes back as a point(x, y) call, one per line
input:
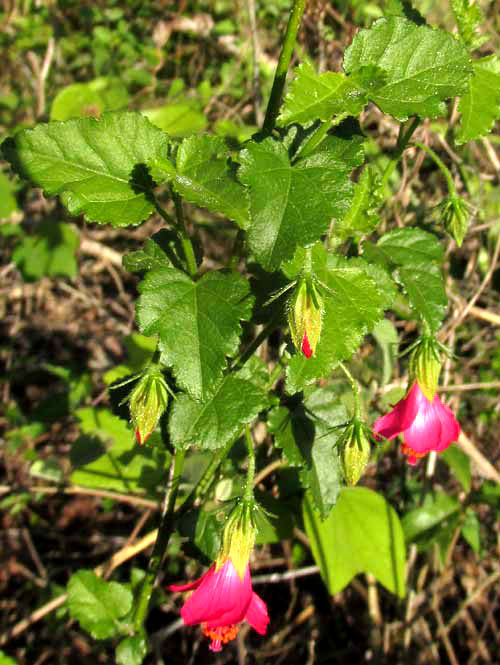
point(469, 17)
point(132, 650)
point(362, 217)
point(49, 252)
point(423, 66)
point(202, 176)
point(471, 530)
point(198, 323)
point(163, 250)
point(361, 535)
point(308, 436)
point(97, 605)
point(414, 254)
point(354, 302)
point(213, 423)
point(313, 96)
point(426, 295)
point(480, 106)
point(98, 167)
point(283, 211)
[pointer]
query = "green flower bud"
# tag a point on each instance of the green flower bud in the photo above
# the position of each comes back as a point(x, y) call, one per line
point(355, 445)
point(455, 213)
point(305, 317)
point(239, 537)
point(147, 402)
point(425, 367)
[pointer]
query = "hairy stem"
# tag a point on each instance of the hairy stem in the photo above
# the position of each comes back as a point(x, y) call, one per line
point(355, 390)
point(160, 547)
point(292, 29)
point(403, 140)
point(440, 164)
point(248, 495)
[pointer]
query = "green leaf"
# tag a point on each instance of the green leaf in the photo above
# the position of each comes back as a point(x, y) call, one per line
point(97, 605)
point(413, 255)
point(202, 176)
point(386, 335)
point(362, 217)
point(313, 96)
point(107, 456)
point(471, 530)
point(354, 302)
point(177, 119)
point(163, 250)
point(284, 211)
point(459, 463)
point(361, 535)
point(480, 106)
point(89, 99)
point(469, 17)
point(437, 508)
point(213, 423)
point(198, 323)
point(140, 351)
point(132, 650)
point(6, 660)
point(49, 252)
point(308, 436)
point(8, 203)
point(97, 166)
point(423, 66)
point(426, 294)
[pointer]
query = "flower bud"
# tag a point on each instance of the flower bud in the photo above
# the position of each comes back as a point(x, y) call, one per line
point(425, 367)
point(305, 317)
point(147, 402)
point(455, 214)
point(355, 451)
point(238, 538)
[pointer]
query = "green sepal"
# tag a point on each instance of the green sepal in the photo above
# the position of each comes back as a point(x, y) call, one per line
point(425, 366)
point(355, 451)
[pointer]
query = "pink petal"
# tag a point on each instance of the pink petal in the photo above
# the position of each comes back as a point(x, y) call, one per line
point(306, 347)
point(450, 429)
point(186, 587)
point(257, 615)
point(424, 433)
point(221, 599)
point(402, 415)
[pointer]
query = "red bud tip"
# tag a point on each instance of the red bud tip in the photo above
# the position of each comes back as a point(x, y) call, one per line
point(138, 437)
point(306, 347)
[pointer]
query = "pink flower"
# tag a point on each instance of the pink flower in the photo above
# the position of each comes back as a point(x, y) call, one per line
point(221, 600)
point(425, 425)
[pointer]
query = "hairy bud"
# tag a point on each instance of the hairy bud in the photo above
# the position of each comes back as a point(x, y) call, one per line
point(355, 445)
point(455, 213)
point(147, 402)
point(305, 317)
point(425, 367)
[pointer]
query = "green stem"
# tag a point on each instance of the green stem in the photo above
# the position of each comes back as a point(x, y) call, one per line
point(240, 360)
point(248, 495)
point(355, 390)
point(442, 167)
point(315, 139)
point(187, 245)
point(292, 29)
point(160, 547)
point(403, 140)
point(180, 227)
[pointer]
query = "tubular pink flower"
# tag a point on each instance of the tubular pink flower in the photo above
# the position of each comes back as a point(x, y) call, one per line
point(425, 425)
point(221, 600)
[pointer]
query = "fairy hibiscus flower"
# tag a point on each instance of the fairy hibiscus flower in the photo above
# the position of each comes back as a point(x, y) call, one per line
point(421, 417)
point(223, 597)
point(425, 425)
point(222, 600)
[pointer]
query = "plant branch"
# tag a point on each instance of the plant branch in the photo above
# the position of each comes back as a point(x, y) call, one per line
point(440, 164)
point(164, 532)
point(403, 140)
point(292, 29)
